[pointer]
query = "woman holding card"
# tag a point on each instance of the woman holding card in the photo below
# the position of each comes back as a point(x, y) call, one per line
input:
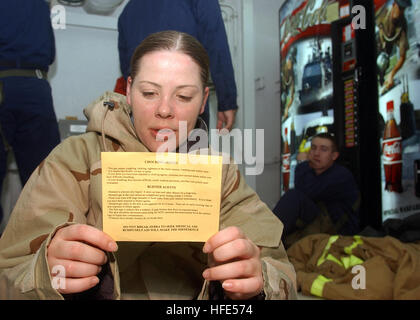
point(53, 246)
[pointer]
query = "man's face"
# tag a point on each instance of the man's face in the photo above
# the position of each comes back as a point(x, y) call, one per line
point(321, 155)
point(396, 11)
point(289, 64)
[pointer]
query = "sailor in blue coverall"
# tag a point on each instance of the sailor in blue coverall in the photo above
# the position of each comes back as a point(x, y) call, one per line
point(28, 122)
point(199, 18)
point(321, 187)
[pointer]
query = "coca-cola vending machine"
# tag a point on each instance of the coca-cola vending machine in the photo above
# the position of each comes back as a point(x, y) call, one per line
point(352, 68)
point(321, 80)
point(397, 39)
point(357, 121)
point(305, 77)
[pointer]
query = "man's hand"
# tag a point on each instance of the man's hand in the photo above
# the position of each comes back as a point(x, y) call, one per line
point(80, 249)
point(389, 82)
point(225, 117)
point(234, 260)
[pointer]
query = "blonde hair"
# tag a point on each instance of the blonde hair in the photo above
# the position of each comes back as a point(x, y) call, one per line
point(172, 40)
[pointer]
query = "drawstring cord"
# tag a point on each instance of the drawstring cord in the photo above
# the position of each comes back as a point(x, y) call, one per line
point(109, 105)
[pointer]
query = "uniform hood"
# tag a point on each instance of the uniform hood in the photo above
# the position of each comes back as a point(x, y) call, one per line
point(110, 117)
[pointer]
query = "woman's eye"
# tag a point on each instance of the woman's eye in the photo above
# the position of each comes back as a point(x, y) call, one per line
point(148, 94)
point(184, 98)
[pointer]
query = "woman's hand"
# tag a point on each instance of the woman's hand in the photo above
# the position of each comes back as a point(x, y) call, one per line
point(80, 250)
point(234, 260)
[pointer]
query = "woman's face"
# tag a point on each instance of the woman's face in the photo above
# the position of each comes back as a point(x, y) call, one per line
point(166, 90)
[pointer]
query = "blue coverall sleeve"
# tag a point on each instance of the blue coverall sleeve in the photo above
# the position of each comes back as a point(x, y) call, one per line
point(212, 34)
point(335, 188)
point(53, 50)
point(122, 49)
point(299, 174)
point(307, 182)
point(315, 187)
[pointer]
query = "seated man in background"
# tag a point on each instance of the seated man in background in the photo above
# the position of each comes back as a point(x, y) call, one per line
point(325, 198)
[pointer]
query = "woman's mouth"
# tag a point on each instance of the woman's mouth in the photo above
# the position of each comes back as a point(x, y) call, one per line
point(162, 133)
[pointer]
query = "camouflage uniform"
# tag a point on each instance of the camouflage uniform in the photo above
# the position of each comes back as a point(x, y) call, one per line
point(66, 189)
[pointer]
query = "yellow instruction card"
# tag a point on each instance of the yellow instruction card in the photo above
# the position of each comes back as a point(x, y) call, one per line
point(149, 196)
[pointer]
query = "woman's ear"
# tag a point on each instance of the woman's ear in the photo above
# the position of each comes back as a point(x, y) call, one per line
point(128, 90)
point(206, 96)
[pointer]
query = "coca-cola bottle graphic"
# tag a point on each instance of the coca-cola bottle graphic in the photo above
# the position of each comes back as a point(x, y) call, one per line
point(392, 152)
point(286, 163)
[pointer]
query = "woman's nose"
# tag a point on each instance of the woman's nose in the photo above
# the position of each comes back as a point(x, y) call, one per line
point(164, 109)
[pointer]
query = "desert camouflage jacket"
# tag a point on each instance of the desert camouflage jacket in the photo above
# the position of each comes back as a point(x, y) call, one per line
point(66, 189)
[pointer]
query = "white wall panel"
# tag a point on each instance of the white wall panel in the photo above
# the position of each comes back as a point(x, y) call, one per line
point(267, 95)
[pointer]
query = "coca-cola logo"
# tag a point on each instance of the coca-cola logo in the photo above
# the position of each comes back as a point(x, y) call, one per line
point(286, 161)
point(392, 150)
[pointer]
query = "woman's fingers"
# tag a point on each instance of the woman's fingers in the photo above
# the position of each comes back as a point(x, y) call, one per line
point(75, 256)
point(235, 270)
point(239, 287)
point(74, 269)
point(236, 249)
point(223, 236)
point(88, 234)
point(230, 244)
point(78, 251)
point(69, 285)
point(235, 261)
point(240, 279)
point(81, 243)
